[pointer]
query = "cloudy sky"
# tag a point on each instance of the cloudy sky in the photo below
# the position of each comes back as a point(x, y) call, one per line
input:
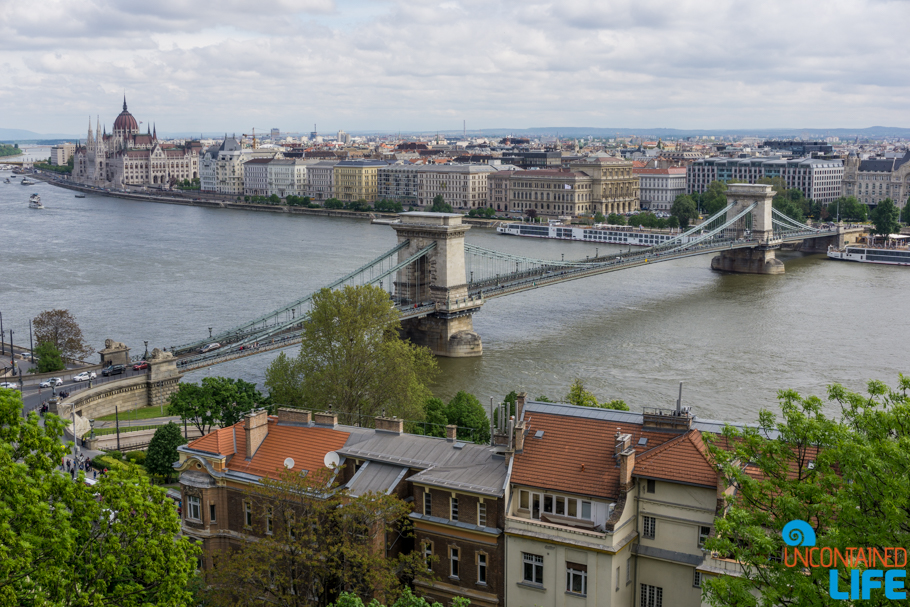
point(426, 65)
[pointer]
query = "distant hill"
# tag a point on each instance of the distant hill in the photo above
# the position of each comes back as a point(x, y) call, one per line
point(31, 136)
point(668, 133)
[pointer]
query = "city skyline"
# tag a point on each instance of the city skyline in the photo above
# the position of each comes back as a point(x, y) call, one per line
point(388, 66)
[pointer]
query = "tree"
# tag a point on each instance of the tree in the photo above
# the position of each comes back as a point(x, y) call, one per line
point(219, 401)
point(580, 397)
point(673, 222)
point(435, 417)
point(49, 359)
point(846, 478)
point(848, 208)
point(714, 198)
point(599, 217)
point(162, 451)
point(531, 213)
point(407, 599)
point(323, 541)
point(684, 210)
point(333, 203)
point(466, 412)
point(885, 218)
point(905, 213)
point(60, 328)
point(66, 544)
point(615, 219)
point(353, 359)
point(440, 205)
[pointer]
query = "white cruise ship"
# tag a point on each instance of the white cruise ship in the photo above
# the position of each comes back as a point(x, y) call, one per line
point(895, 252)
point(619, 235)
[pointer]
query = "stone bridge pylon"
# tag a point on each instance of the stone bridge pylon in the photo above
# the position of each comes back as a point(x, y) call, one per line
point(761, 259)
point(438, 277)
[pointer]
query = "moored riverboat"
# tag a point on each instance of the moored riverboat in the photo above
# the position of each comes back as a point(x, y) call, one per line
point(599, 233)
point(893, 251)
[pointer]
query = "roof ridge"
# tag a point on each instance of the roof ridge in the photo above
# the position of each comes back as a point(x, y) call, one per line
point(653, 451)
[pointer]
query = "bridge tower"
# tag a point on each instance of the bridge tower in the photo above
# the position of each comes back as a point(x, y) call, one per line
point(438, 277)
point(760, 259)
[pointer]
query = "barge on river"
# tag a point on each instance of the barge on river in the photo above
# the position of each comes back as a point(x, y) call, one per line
point(893, 251)
point(599, 233)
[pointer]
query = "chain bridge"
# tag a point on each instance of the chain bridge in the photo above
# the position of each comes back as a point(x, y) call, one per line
point(437, 282)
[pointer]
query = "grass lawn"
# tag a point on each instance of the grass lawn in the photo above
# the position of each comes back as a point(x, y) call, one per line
point(141, 413)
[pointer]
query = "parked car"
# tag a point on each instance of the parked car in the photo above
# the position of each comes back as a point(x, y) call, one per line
point(52, 382)
point(10, 385)
point(140, 365)
point(113, 370)
point(84, 376)
point(209, 348)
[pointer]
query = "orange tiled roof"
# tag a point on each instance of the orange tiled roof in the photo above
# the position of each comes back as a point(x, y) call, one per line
point(307, 446)
point(683, 459)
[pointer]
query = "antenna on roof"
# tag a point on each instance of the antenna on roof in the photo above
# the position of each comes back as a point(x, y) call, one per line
point(679, 401)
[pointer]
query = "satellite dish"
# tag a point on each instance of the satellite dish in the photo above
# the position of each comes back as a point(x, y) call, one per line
point(289, 463)
point(331, 460)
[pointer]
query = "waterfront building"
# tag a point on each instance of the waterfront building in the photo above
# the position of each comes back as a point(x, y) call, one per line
point(551, 192)
point(498, 189)
point(286, 177)
point(875, 179)
point(221, 167)
point(614, 188)
point(818, 179)
point(321, 180)
point(464, 186)
point(255, 177)
point(357, 180)
point(126, 157)
point(658, 188)
point(399, 181)
point(61, 153)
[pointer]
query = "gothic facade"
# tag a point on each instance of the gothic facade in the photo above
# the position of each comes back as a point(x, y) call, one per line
point(127, 157)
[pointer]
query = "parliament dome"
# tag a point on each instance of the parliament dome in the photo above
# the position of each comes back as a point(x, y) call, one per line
point(125, 121)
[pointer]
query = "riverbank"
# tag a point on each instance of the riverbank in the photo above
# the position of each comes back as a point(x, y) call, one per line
point(188, 200)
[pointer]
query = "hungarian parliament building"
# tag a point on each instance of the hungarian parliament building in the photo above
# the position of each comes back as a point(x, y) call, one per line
point(126, 157)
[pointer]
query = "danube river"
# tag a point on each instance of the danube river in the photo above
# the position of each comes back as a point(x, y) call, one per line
point(135, 271)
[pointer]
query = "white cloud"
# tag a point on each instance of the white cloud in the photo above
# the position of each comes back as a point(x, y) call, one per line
point(426, 65)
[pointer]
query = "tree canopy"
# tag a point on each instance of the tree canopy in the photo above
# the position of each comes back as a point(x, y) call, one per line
point(848, 208)
point(219, 401)
point(714, 198)
point(885, 218)
point(684, 210)
point(60, 328)
point(407, 599)
point(64, 543)
point(353, 359)
point(616, 219)
point(49, 358)
point(440, 205)
point(162, 451)
point(846, 477)
point(579, 396)
point(465, 411)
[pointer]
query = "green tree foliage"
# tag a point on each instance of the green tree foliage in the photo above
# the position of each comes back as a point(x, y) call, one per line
point(615, 219)
point(219, 401)
point(487, 212)
point(333, 203)
point(714, 198)
point(388, 206)
point(790, 201)
point(684, 210)
point(673, 221)
point(599, 217)
point(66, 544)
point(60, 328)
point(905, 213)
point(440, 205)
point(162, 451)
point(849, 208)
point(465, 411)
point(9, 150)
point(407, 599)
point(353, 359)
point(436, 417)
point(323, 541)
point(49, 358)
point(580, 397)
point(846, 477)
point(361, 206)
point(885, 218)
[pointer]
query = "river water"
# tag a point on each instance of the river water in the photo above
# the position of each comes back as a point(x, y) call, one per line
point(134, 271)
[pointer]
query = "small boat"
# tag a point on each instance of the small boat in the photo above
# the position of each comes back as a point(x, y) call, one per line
point(80, 195)
point(34, 202)
point(27, 181)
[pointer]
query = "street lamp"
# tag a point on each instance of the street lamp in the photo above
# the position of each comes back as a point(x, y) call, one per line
point(12, 354)
point(91, 424)
point(210, 332)
point(31, 344)
point(2, 344)
point(146, 355)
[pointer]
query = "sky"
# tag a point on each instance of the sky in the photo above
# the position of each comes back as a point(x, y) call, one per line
point(427, 65)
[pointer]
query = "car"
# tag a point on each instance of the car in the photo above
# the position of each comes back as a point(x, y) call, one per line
point(84, 376)
point(209, 348)
point(140, 365)
point(10, 385)
point(113, 370)
point(50, 383)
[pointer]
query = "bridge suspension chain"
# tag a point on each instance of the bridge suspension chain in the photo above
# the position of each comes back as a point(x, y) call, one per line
point(783, 220)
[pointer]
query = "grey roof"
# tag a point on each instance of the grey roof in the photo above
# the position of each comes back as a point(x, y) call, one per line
point(376, 477)
point(450, 523)
point(229, 145)
point(470, 467)
point(456, 168)
point(883, 165)
point(361, 163)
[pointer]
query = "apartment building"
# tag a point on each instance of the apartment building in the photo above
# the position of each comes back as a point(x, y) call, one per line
point(614, 186)
point(658, 188)
point(875, 179)
point(321, 180)
point(498, 195)
point(256, 177)
point(464, 186)
point(818, 179)
point(61, 153)
point(357, 180)
point(399, 181)
point(551, 193)
point(287, 177)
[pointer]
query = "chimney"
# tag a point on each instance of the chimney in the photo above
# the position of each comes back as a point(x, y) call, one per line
point(623, 441)
point(520, 428)
point(626, 464)
point(520, 404)
point(390, 424)
point(255, 429)
point(324, 418)
point(287, 415)
point(451, 433)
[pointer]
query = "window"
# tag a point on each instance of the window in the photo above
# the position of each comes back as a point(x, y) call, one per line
point(576, 578)
point(453, 508)
point(628, 570)
point(696, 579)
point(651, 485)
point(482, 514)
point(193, 508)
point(453, 562)
point(617, 579)
point(651, 596)
point(247, 515)
point(586, 510)
point(268, 521)
point(211, 513)
point(428, 554)
point(427, 503)
point(703, 533)
point(533, 568)
point(481, 568)
point(649, 526)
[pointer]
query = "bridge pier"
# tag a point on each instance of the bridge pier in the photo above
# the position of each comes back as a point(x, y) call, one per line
point(440, 278)
point(748, 261)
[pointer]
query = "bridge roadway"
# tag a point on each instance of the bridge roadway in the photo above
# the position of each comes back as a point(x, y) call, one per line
point(480, 291)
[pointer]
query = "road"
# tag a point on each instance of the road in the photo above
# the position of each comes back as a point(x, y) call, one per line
point(33, 396)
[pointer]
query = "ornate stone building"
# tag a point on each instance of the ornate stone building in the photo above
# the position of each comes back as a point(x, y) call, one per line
point(875, 179)
point(127, 157)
